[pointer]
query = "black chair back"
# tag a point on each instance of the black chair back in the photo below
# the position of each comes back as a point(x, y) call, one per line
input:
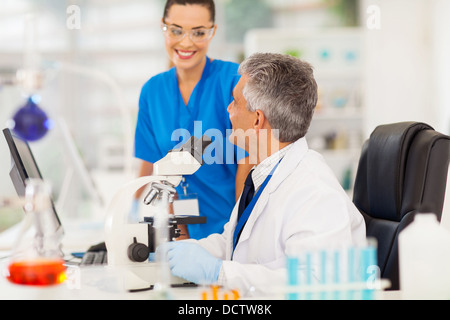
point(402, 171)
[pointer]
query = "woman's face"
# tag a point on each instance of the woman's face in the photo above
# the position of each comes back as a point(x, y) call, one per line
point(185, 53)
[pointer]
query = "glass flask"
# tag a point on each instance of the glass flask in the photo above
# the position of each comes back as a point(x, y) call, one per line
point(37, 258)
point(30, 121)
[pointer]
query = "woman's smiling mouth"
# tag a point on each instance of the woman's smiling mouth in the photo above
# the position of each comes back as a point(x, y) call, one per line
point(185, 54)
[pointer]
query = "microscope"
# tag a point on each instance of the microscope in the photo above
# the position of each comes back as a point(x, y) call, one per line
point(131, 243)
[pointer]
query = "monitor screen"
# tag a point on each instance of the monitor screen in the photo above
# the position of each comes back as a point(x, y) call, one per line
point(23, 167)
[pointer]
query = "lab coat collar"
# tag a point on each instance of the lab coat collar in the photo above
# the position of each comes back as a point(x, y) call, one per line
point(287, 165)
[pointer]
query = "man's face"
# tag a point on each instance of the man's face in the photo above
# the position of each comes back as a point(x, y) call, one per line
point(242, 120)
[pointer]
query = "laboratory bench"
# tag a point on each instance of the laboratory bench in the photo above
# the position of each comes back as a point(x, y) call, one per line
point(103, 282)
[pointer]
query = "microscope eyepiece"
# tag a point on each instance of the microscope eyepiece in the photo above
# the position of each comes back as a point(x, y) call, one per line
point(196, 147)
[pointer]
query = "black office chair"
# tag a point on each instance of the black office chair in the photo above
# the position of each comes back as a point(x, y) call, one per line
point(402, 171)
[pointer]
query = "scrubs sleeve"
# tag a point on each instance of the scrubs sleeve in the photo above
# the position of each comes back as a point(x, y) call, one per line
point(145, 143)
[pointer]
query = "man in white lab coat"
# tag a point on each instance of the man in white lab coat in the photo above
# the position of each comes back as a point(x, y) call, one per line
point(297, 203)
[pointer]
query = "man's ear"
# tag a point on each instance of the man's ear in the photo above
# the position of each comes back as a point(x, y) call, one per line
point(260, 120)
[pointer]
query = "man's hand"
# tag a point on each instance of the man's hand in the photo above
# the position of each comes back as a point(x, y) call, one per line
point(192, 262)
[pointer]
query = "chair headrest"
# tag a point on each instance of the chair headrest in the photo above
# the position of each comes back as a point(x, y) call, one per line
point(386, 162)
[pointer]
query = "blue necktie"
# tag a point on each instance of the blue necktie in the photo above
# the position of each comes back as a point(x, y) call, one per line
point(247, 194)
point(246, 197)
point(248, 202)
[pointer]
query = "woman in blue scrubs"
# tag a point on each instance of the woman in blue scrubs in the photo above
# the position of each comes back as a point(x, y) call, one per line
point(192, 99)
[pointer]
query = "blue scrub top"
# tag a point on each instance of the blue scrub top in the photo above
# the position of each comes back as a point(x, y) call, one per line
point(165, 122)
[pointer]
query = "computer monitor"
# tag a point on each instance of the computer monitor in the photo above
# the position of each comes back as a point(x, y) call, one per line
point(23, 167)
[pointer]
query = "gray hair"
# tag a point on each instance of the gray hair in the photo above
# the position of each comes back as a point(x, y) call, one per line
point(284, 89)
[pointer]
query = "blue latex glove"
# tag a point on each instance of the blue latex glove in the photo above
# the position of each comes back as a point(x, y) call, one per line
point(192, 262)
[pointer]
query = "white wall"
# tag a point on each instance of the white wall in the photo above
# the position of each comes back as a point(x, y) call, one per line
point(441, 61)
point(407, 68)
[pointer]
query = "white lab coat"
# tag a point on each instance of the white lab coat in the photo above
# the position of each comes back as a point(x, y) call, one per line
point(302, 207)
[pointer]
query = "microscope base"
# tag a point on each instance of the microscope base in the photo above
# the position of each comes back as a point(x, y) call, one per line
point(146, 277)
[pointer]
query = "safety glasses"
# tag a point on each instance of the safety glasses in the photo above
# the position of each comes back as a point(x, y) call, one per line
point(177, 33)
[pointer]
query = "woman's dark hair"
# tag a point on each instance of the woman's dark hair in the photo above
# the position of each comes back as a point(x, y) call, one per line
point(209, 4)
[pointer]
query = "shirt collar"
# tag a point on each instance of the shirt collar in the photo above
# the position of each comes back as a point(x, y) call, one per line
point(262, 170)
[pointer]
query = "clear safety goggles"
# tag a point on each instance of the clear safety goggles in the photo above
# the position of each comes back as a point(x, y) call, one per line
point(196, 35)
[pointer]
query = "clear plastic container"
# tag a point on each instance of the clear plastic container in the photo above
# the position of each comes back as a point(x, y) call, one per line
point(424, 259)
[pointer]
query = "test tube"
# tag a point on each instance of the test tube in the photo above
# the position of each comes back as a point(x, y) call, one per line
point(293, 280)
point(368, 260)
point(336, 273)
point(308, 275)
point(323, 273)
point(351, 270)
